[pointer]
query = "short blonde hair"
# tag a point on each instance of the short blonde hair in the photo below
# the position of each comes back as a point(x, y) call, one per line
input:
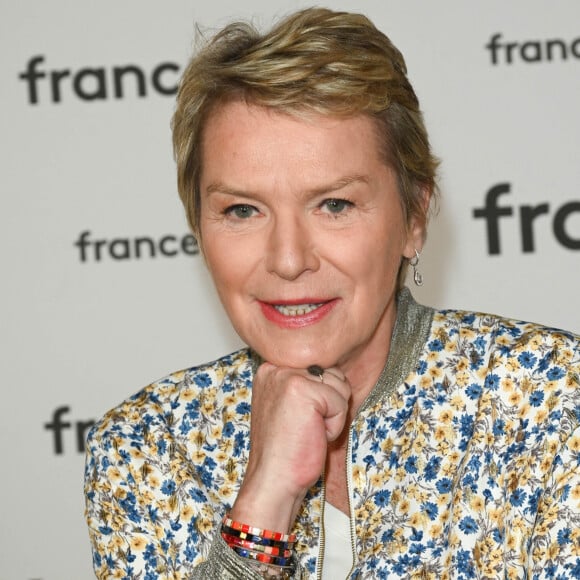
point(313, 61)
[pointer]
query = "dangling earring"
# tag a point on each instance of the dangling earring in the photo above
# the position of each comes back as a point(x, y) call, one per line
point(417, 276)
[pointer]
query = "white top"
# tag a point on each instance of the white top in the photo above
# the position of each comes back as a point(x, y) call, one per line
point(337, 561)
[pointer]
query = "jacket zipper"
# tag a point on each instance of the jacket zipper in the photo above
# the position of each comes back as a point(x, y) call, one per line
point(322, 543)
point(350, 502)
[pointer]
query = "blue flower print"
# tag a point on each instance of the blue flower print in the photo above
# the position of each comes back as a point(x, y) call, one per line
point(527, 359)
point(468, 525)
point(536, 398)
point(555, 373)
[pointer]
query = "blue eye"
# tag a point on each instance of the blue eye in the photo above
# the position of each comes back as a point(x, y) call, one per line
point(336, 205)
point(241, 210)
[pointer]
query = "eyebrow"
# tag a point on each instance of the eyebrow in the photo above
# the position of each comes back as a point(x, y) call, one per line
point(341, 183)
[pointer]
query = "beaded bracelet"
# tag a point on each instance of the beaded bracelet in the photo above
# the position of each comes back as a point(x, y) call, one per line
point(256, 539)
point(261, 557)
point(268, 534)
point(256, 547)
point(271, 552)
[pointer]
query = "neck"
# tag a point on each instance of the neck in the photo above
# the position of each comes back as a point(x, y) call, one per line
point(364, 370)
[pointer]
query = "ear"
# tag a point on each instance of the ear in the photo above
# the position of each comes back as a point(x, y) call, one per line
point(417, 225)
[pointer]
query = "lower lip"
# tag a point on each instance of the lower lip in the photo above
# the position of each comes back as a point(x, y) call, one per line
point(296, 321)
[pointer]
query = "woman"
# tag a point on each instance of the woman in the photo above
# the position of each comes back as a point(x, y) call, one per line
point(360, 435)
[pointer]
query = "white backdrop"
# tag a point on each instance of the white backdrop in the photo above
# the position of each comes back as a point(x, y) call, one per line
point(89, 156)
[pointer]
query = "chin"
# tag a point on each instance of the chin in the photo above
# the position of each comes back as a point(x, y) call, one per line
point(299, 358)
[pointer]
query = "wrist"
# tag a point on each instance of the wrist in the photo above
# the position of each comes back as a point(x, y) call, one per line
point(265, 507)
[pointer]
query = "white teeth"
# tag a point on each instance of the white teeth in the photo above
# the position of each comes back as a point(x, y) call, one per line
point(296, 310)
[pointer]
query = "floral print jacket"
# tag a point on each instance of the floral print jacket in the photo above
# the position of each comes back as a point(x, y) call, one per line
point(464, 462)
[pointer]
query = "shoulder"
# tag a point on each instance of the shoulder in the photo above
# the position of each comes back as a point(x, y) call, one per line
point(505, 336)
point(168, 399)
point(529, 370)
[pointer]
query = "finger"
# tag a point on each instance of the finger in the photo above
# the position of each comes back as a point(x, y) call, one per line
point(334, 409)
point(335, 378)
point(335, 371)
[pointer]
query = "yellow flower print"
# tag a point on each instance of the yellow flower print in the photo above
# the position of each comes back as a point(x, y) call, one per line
point(244, 393)
point(377, 480)
point(467, 334)
point(477, 503)
point(186, 513)
point(204, 525)
point(451, 345)
point(198, 456)
point(114, 474)
point(553, 551)
point(137, 454)
point(404, 507)
point(574, 443)
point(477, 437)
point(457, 402)
point(462, 378)
point(507, 384)
point(446, 416)
point(511, 541)
point(231, 400)
point(359, 477)
point(418, 519)
point(196, 438)
point(398, 402)
point(226, 491)
point(221, 456)
point(432, 357)
point(525, 410)
point(546, 464)
point(187, 394)
point(515, 398)
point(541, 416)
point(208, 408)
point(117, 542)
point(138, 543)
point(418, 446)
point(120, 493)
point(449, 469)
point(575, 493)
point(436, 373)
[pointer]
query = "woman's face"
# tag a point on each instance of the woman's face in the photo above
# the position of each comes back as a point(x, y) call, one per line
point(303, 234)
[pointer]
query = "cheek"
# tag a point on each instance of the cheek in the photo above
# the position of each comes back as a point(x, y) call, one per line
point(230, 265)
point(218, 260)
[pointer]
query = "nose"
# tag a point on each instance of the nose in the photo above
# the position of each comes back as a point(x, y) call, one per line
point(290, 248)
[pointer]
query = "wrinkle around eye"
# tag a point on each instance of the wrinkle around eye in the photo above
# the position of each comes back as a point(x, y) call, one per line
point(241, 211)
point(336, 206)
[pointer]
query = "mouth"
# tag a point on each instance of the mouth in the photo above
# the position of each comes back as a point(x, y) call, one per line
point(296, 309)
point(297, 314)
